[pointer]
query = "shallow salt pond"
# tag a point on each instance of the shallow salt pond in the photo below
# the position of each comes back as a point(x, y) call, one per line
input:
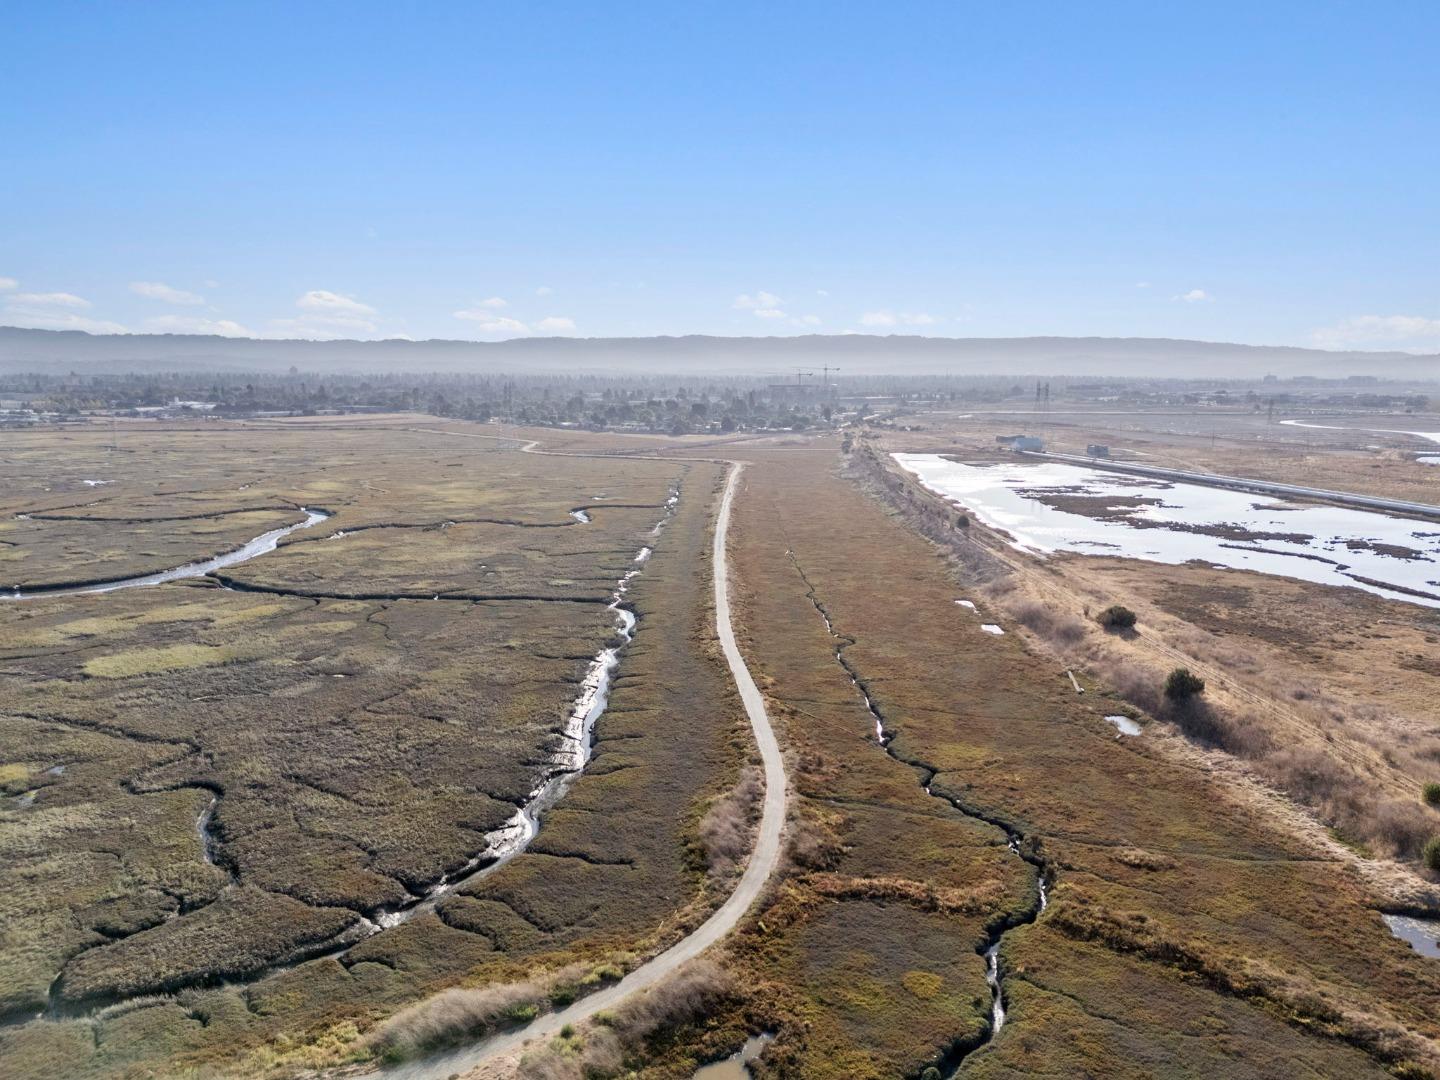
point(1167, 522)
point(1423, 935)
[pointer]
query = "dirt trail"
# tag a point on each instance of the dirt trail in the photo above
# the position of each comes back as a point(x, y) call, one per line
point(758, 869)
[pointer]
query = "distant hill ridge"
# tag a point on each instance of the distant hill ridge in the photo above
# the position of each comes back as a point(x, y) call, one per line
point(855, 354)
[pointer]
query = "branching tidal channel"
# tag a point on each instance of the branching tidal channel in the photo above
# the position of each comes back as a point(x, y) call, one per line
point(1020, 845)
point(567, 762)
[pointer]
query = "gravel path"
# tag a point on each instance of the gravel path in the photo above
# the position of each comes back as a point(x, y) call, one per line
point(757, 871)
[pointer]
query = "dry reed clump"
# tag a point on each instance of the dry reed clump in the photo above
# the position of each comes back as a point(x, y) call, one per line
point(695, 991)
point(812, 845)
point(1240, 735)
point(1140, 859)
point(726, 829)
point(691, 993)
point(462, 1013)
point(1055, 627)
point(924, 896)
point(593, 1056)
point(1344, 797)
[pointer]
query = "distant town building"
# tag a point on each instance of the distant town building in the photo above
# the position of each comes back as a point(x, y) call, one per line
point(1020, 442)
point(1096, 449)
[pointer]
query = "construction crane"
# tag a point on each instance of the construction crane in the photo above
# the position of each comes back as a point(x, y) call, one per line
point(829, 389)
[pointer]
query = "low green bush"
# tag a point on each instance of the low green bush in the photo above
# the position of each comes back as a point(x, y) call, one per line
point(1431, 853)
point(1116, 617)
point(1431, 793)
point(1182, 685)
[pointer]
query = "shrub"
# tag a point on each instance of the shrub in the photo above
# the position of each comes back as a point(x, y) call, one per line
point(692, 992)
point(724, 831)
point(932, 1073)
point(450, 1016)
point(1431, 794)
point(1242, 736)
point(1182, 685)
point(1431, 854)
point(563, 994)
point(1055, 627)
point(1116, 617)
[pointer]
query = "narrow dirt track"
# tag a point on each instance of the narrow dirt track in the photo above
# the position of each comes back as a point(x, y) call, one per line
point(758, 869)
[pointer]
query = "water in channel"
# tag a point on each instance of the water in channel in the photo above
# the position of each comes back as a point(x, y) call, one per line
point(261, 545)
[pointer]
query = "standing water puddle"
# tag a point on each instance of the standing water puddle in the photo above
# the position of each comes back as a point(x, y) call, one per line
point(1423, 935)
point(1124, 725)
point(737, 1065)
point(1057, 507)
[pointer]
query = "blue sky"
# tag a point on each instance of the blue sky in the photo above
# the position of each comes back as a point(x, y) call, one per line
point(1256, 172)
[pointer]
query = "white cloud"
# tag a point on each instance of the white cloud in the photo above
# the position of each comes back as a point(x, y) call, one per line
point(769, 313)
point(761, 301)
point(52, 319)
point(1142, 284)
point(544, 290)
point(54, 311)
point(329, 303)
point(1194, 296)
point(49, 300)
point(806, 320)
point(155, 290)
point(822, 292)
point(327, 315)
point(1409, 332)
point(195, 324)
point(495, 303)
point(8, 283)
point(903, 318)
point(490, 323)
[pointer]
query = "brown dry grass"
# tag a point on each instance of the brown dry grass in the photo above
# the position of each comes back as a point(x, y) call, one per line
point(1137, 828)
